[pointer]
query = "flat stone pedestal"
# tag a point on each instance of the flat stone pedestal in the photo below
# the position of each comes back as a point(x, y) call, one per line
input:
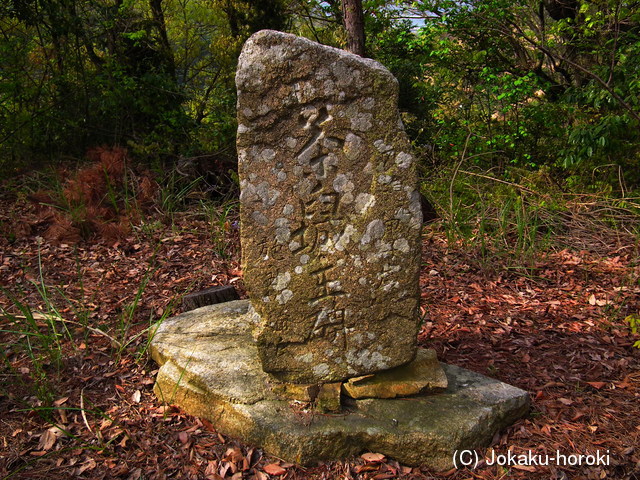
point(210, 368)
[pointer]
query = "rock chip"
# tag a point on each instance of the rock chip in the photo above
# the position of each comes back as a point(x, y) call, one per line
point(328, 400)
point(422, 374)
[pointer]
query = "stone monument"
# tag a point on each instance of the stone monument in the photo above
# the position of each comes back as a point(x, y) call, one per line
point(330, 211)
point(330, 219)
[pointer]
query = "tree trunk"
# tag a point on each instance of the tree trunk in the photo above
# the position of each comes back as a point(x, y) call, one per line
point(354, 25)
point(165, 46)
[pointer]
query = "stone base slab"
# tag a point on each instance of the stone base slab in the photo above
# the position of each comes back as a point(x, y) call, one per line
point(210, 368)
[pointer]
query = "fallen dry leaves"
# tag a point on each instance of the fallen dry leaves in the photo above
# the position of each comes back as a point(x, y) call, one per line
point(553, 326)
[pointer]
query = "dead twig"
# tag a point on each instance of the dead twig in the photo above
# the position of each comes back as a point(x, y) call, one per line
point(520, 187)
point(82, 412)
point(42, 316)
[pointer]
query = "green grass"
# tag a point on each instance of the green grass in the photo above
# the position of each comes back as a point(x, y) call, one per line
point(221, 218)
point(43, 336)
point(38, 335)
point(519, 216)
point(175, 191)
point(42, 329)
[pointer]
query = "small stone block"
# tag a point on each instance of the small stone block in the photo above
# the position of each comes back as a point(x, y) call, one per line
point(328, 400)
point(210, 296)
point(422, 374)
point(303, 392)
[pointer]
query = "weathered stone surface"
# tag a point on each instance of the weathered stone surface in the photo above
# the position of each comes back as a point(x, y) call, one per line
point(422, 374)
point(196, 346)
point(210, 367)
point(330, 210)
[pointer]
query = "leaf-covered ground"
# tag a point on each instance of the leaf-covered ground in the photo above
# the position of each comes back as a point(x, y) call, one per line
point(556, 329)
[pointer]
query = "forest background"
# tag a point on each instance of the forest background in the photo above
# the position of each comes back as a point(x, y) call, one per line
point(545, 89)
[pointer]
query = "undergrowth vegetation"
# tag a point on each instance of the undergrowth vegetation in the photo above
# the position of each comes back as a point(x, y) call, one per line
point(45, 323)
point(97, 255)
point(529, 214)
point(507, 224)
